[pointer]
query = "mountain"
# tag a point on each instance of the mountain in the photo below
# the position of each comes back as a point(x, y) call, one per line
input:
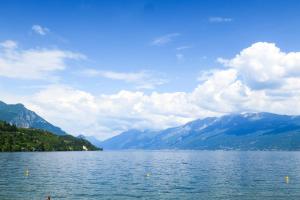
point(20, 116)
point(248, 131)
point(94, 141)
point(132, 139)
point(26, 139)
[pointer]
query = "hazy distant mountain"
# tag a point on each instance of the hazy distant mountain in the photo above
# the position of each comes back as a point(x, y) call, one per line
point(249, 131)
point(132, 139)
point(94, 141)
point(22, 117)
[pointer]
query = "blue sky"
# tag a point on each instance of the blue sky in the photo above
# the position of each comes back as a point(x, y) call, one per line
point(101, 48)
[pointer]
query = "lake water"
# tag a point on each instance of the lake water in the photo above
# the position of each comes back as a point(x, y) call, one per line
point(150, 175)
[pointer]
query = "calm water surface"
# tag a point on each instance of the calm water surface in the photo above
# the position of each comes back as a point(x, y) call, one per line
point(150, 175)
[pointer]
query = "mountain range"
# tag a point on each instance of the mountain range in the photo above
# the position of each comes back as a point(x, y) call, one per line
point(247, 131)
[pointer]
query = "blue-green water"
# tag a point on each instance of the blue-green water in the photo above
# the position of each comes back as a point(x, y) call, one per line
point(150, 175)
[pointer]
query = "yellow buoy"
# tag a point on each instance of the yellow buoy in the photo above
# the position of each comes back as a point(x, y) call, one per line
point(26, 172)
point(287, 179)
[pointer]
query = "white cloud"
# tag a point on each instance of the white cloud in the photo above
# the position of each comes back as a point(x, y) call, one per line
point(32, 63)
point(183, 48)
point(142, 79)
point(106, 115)
point(129, 77)
point(162, 40)
point(40, 30)
point(220, 19)
point(263, 65)
point(180, 56)
point(9, 44)
point(221, 91)
point(205, 75)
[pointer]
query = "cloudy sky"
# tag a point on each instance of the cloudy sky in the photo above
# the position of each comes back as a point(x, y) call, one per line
point(101, 67)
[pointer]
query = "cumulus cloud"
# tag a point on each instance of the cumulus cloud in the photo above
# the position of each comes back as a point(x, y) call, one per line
point(263, 65)
point(162, 40)
point(220, 91)
point(142, 79)
point(106, 115)
point(32, 63)
point(38, 29)
point(219, 19)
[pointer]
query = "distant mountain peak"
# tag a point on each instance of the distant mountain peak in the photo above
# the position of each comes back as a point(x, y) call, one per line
point(94, 141)
point(81, 136)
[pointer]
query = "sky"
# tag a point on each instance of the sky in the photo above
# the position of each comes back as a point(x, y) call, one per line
point(102, 67)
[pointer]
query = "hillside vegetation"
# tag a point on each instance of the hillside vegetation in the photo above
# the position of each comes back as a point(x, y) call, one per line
point(26, 139)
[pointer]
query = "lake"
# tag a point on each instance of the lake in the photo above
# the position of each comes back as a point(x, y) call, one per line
point(150, 175)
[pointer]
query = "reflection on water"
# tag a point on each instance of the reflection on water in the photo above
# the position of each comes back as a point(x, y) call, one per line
point(150, 175)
